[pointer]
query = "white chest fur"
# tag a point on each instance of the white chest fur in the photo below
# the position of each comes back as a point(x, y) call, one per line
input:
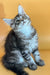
point(32, 43)
point(26, 30)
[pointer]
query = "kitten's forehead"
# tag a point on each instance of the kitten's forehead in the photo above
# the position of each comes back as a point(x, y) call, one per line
point(21, 16)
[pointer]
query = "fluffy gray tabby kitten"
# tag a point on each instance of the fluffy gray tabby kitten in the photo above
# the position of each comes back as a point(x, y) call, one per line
point(21, 41)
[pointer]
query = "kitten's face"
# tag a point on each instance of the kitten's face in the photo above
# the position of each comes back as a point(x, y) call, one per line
point(21, 20)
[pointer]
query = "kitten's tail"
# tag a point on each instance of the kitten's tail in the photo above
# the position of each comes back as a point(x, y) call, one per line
point(18, 69)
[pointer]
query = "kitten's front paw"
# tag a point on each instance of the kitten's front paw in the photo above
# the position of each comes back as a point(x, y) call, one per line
point(24, 73)
point(32, 66)
point(40, 63)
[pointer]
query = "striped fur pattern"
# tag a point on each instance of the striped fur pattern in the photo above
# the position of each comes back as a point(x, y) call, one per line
point(20, 43)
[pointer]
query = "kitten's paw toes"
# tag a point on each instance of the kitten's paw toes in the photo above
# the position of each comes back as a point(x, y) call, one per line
point(32, 67)
point(24, 73)
point(40, 63)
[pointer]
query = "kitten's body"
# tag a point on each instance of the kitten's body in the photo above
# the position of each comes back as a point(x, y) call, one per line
point(20, 43)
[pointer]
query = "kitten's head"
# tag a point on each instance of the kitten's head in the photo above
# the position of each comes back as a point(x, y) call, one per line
point(20, 20)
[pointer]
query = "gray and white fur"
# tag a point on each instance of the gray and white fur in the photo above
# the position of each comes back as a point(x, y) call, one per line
point(21, 41)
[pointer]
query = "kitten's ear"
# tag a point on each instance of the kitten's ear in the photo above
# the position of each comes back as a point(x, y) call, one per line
point(8, 21)
point(21, 10)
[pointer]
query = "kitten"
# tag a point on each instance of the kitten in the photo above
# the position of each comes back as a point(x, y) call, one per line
point(21, 41)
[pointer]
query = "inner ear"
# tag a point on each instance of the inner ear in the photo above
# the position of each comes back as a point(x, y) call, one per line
point(21, 10)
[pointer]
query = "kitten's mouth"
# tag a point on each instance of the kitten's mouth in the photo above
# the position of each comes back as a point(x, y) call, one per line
point(23, 22)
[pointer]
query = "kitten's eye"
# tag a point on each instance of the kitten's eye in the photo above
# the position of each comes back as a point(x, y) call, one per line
point(18, 20)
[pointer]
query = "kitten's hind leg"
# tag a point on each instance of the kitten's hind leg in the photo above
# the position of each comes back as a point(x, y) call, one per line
point(38, 60)
point(17, 68)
